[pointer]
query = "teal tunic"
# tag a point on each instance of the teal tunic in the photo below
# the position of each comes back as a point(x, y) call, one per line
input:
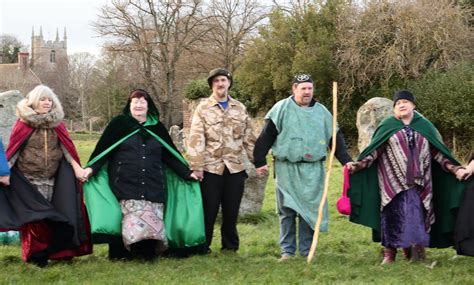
point(300, 152)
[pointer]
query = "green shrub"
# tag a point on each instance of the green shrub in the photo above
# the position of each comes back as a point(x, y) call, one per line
point(447, 100)
point(196, 89)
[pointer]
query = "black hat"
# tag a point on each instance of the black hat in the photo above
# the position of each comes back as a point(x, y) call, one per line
point(219, 71)
point(301, 78)
point(403, 94)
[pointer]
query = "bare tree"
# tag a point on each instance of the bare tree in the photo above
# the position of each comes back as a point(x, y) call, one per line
point(159, 32)
point(116, 77)
point(233, 23)
point(81, 71)
point(384, 40)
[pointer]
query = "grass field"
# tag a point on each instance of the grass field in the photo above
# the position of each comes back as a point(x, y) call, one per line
point(345, 255)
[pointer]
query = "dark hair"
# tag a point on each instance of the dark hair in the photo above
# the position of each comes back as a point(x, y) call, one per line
point(139, 93)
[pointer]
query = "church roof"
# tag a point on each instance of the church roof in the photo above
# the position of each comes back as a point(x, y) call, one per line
point(12, 77)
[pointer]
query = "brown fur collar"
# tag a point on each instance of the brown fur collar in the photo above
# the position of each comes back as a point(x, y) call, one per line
point(35, 120)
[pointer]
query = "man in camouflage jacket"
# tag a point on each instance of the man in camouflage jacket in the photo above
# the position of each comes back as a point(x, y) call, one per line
point(220, 131)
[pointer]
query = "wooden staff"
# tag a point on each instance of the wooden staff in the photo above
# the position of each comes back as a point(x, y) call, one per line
point(314, 244)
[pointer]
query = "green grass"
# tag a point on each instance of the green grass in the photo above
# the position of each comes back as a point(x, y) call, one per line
point(345, 255)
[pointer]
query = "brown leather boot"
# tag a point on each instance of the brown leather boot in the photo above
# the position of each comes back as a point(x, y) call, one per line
point(417, 253)
point(389, 254)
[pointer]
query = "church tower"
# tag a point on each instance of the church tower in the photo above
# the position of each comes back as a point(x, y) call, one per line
point(47, 56)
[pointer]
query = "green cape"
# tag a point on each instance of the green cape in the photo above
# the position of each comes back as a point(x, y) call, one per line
point(183, 217)
point(447, 191)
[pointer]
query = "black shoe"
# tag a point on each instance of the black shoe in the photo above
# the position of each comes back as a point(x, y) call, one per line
point(39, 259)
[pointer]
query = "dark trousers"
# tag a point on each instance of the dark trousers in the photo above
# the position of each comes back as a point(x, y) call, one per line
point(223, 190)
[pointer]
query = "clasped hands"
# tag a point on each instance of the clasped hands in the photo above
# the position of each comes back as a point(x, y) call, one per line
point(463, 174)
point(81, 174)
point(355, 166)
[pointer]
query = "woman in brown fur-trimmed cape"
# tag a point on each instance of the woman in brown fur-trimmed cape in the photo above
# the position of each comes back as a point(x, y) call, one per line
point(44, 200)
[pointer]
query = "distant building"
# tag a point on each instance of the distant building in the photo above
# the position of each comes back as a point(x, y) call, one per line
point(48, 65)
point(18, 76)
point(48, 58)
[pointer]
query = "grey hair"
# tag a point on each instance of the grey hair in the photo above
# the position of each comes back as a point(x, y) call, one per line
point(33, 98)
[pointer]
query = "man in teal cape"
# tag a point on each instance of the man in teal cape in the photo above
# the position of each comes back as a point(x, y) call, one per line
point(364, 190)
point(183, 215)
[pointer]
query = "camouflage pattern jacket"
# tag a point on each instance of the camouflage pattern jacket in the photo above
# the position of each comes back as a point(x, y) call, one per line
point(218, 137)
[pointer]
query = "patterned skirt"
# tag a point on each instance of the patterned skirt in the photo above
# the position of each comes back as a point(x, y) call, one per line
point(143, 220)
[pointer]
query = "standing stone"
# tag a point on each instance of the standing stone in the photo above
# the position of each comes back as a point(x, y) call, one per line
point(176, 135)
point(8, 101)
point(369, 117)
point(254, 191)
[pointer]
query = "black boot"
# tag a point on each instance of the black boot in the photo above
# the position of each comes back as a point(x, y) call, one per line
point(39, 259)
point(144, 250)
point(117, 250)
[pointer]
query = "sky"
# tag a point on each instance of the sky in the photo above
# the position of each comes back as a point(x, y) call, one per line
point(18, 17)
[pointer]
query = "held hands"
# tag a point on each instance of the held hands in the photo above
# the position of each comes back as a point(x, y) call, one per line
point(197, 175)
point(463, 174)
point(83, 174)
point(5, 180)
point(87, 173)
point(353, 167)
point(262, 170)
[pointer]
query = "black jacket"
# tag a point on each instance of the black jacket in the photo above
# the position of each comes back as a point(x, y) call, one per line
point(137, 168)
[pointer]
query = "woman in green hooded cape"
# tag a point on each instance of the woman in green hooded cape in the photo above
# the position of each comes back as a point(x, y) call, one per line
point(404, 187)
point(141, 195)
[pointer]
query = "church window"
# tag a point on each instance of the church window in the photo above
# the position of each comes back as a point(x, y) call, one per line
point(52, 56)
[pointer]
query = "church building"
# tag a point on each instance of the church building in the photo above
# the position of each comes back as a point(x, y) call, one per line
point(47, 65)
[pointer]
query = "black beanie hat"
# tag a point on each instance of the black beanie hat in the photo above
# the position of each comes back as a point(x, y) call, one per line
point(301, 78)
point(403, 94)
point(219, 71)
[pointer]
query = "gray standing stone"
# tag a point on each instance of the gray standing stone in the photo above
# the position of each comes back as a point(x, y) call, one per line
point(176, 135)
point(369, 117)
point(254, 191)
point(8, 101)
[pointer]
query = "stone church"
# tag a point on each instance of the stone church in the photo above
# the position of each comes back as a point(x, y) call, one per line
point(47, 64)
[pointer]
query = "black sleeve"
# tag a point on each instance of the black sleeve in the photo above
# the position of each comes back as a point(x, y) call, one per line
point(264, 143)
point(96, 166)
point(341, 149)
point(177, 166)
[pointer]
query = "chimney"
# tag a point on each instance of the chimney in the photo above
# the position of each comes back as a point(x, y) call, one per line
point(23, 61)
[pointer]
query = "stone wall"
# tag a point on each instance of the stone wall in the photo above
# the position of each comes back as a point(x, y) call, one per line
point(8, 101)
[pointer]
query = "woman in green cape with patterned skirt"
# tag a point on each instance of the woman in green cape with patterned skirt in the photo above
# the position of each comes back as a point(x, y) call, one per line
point(404, 188)
point(141, 196)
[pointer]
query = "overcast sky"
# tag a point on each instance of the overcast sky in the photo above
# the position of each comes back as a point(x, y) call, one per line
point(18, 17)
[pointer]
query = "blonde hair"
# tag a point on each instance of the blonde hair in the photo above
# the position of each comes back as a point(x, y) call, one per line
point(34, 96)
